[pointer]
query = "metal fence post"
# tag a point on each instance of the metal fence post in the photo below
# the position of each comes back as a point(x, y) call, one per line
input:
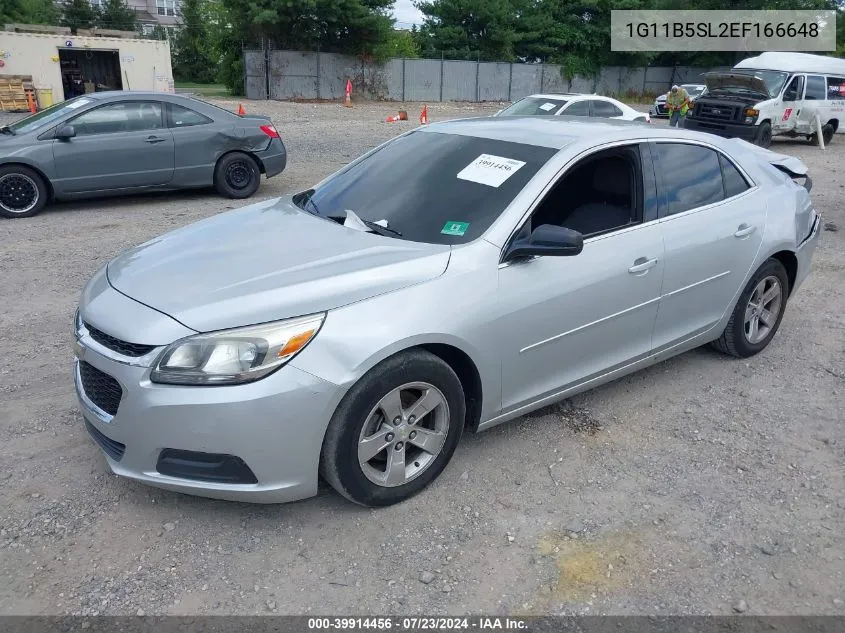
point(403, 80)
point(266, 46)
point(441, 76)
point(477, 88)
point(542, 76)
point(510, 82)
point(319, 71)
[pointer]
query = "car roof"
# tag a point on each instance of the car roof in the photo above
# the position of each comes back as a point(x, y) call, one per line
point(559, 131)
point(137, 94)
point(568, 95)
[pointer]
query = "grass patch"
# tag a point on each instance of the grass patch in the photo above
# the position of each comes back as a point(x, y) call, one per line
point(206, 90)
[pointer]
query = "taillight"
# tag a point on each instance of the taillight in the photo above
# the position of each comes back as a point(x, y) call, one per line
point(270, 131)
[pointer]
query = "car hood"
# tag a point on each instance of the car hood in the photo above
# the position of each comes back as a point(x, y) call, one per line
point(729, 79)
point(265, 262)
point(661, 99)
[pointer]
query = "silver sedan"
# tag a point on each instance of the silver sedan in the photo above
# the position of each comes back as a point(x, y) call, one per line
point(454, 278)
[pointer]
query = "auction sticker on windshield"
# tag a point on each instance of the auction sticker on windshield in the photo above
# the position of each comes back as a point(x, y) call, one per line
point(79, 104)
point(490, 170)
point(548, 106)
point(455, 228)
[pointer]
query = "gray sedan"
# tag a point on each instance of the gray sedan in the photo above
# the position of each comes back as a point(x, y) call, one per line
point(111, 143)
point(454, 278)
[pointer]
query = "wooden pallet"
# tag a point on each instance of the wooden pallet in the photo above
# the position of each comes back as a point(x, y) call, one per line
point(13, 93)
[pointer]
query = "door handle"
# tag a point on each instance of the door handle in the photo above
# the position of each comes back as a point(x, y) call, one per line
point(154, 139)
point(642, 265)
point(744, 230)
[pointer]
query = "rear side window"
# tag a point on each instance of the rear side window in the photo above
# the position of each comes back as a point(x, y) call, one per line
point(177, 116)
point(579, 108)
point(836, 87)
point(734, 182)
point(605, 109)
point(691, 176)
point(431, 187)
point(816, 89)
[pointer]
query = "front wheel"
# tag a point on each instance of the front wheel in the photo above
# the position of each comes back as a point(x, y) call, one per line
point(395, 431)
point(22, 192)
point(237, 176)
point(758, 313)
point(764, 135)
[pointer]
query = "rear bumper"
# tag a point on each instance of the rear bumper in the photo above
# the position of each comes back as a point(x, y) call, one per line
point(726, 130)
point(274, 158)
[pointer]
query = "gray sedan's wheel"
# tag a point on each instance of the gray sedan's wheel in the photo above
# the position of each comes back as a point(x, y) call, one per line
point(22, 192)
point(237, 175)
point(395, 430)
point(758, 313)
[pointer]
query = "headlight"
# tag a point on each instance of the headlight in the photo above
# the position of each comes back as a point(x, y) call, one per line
point(236, 356)
point(751, 112)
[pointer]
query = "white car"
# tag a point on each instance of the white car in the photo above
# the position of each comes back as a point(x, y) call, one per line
point(573, 104)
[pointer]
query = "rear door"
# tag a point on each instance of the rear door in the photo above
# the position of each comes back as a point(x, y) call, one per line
point(712, 222)
point(120, 145)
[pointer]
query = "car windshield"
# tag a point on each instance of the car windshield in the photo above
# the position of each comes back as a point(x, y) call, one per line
point(48, 115)
point(429, 186)
point(694, 91)
point(534, 105)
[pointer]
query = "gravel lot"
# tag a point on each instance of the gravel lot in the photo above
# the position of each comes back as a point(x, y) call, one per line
point(702, 485)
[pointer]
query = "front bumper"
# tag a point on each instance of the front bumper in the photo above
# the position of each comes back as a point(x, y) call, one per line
point(804, 254)
point(726, 130)
point(274, 158)
point(659, 110)
point(275, 426)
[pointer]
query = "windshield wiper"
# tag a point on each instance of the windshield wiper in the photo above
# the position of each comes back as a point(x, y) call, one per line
point(7, 130)
point(306, 198)
point(353, 220)
point(385, 231)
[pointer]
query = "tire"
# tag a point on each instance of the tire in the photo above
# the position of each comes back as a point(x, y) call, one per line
point(827, 133)
point(738, 339)
point(764, 135)
point(237, 175)
point(23, 193)
point(418, 377)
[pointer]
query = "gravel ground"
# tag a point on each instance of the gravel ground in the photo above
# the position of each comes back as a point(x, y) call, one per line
point(702, 485)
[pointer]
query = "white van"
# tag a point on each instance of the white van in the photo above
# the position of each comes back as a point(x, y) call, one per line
point(773, 93)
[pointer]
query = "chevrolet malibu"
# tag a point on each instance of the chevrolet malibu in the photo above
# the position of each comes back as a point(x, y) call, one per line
point(454, 278)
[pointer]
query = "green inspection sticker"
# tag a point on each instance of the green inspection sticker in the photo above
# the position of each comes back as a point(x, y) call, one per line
point(454, 228)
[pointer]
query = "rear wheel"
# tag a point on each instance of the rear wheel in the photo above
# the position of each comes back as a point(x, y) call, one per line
point(764, 134)
point(237, 176)
point(23, 192)
point(758, 313)
point(395, 431)
point(827, 135)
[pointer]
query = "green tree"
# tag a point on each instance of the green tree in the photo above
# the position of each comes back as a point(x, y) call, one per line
point(399, 44)
point(192, 49)
point(356, 27)
point(117, 15)
point(39, 12)
point(78, 14)
point(470, 29)
point(11, 11)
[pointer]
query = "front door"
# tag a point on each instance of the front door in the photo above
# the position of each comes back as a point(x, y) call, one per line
point(121, 145)
point(564, 320)
point(788, 109)
point(712, 223)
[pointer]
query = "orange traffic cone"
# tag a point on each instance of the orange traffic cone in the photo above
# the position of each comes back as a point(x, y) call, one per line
point(347, 100)
point(241, 110)
point(31, 102)
point(424, 115)
point(402, 116)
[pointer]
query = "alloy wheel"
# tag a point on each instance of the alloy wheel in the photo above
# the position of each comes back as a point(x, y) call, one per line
point(763, 309)
point(403, 434)
point(18, 193)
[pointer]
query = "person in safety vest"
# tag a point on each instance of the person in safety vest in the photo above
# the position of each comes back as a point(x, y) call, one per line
point(677, 103)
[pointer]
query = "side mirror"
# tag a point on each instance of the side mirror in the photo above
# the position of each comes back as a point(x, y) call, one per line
point(65, 133)
point(547, 240)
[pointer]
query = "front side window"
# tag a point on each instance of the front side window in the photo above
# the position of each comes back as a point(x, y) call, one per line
point(691, 176)
point(605, 109)
point(531, 106)
point(429, 186)
point(125, 116)
point(602, 193)
point(795, 90)
point(579, 108)
point(816, 88)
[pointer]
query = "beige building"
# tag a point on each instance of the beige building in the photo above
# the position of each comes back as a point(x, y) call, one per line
point(68, 65)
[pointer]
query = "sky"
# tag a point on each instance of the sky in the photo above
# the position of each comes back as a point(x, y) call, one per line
point(406, 13)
